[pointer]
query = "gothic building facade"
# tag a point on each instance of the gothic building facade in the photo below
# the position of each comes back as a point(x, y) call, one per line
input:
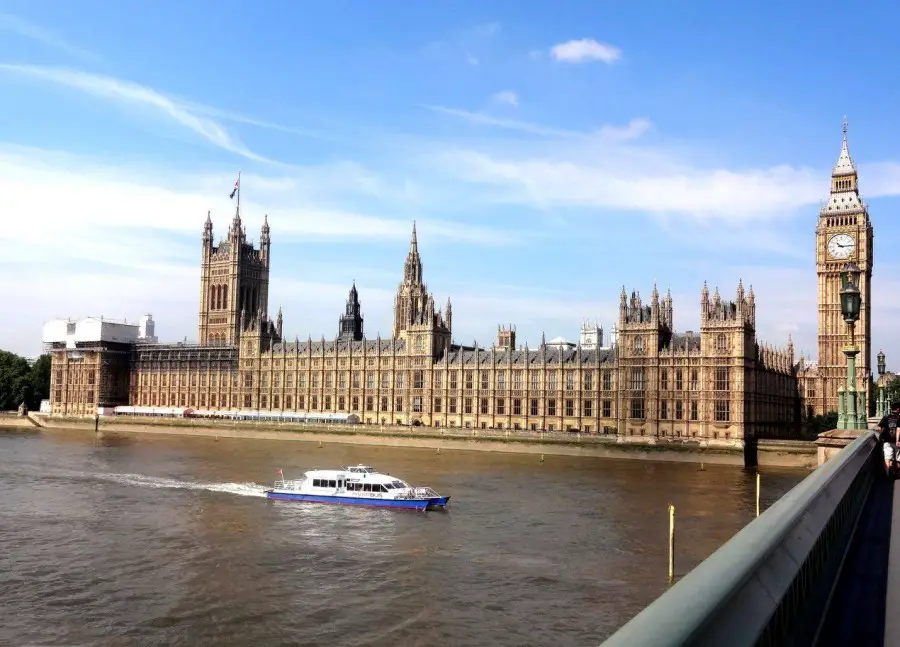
point(718, 385)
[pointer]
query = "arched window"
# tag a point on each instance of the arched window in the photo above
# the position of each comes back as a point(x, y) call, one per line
point(224, 296)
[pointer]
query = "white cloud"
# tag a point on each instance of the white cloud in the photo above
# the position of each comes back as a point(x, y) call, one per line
point(134, 95)
point(9, 22)
point(632, 130)
point(506, 96)
point(58, 194)
point(614, 168)
point(584, 50)
point(617, 178)
point(480, 118)
point(115, 240)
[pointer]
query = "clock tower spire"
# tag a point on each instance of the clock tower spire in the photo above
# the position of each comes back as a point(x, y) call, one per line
point(844, 234)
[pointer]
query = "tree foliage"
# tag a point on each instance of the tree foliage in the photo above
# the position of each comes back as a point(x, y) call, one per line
point(20, 382)
point(821, 423)
point(892, 390)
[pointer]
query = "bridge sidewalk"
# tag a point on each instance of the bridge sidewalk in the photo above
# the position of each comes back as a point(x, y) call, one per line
point(856, 614)
point(892, 599)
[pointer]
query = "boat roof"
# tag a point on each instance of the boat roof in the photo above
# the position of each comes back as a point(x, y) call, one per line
point(366, 471)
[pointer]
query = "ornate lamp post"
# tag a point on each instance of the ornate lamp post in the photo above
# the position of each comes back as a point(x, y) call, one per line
point(881, 402)
point(850, 305)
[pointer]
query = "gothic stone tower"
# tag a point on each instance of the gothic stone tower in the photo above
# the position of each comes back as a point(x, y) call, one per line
point(728, 349)
point(350, 325)
point(234, 280)
point(844, 234)
point(644, 330)
point(426, 329)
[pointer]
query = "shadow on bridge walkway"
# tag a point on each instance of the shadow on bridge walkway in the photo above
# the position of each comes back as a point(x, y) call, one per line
point(856, 614)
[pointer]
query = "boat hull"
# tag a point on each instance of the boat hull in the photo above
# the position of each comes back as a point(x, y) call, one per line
point(434, 503)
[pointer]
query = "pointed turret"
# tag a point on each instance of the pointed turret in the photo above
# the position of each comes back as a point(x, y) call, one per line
point(236, 227)
point(265, 242)
point(279, 323)
point(208, 228)
point(350, 324)
point(449, 315)
point(412, 270)
point(844, 198)
point(844, 164)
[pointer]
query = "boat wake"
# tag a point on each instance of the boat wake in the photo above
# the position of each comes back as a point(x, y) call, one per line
point(139, 480)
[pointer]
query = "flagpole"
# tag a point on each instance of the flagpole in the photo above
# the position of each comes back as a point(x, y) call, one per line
point(239, 193)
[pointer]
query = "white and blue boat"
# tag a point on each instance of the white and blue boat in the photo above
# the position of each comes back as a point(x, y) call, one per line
point(356, 485)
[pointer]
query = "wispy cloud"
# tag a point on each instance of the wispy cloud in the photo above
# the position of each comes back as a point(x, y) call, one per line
point(15, 24)
point(68, 194)
point(483, 119)
point(507, 97)
point(133, 94)
point(632, 130)
point(584, 50)
point(614, 178)
point(606, 133)
point(486, 30)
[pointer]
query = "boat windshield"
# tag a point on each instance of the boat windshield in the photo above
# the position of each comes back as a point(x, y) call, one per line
point(398, 484)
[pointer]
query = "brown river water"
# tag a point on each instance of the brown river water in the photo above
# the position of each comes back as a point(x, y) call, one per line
point(167, 540)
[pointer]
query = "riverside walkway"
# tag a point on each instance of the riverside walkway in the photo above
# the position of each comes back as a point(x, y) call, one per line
point(821, 568)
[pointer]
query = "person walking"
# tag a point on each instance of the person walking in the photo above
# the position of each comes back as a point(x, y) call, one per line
point(887, 434)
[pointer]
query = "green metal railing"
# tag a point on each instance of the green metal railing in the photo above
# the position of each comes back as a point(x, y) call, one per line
point(771, 584)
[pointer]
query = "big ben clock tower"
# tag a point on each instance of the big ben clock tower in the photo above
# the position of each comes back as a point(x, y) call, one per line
point(844, 234)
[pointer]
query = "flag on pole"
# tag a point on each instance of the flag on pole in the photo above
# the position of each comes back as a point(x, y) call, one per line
point(237, 186)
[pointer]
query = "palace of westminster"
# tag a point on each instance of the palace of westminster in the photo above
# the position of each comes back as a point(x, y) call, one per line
point(719, 385)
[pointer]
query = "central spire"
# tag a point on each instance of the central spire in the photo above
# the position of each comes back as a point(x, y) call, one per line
point(412, 269)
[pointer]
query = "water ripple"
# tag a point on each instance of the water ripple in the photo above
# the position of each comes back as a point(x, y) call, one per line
point(168, 542)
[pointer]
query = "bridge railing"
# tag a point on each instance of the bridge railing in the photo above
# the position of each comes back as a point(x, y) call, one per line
point(771, 583)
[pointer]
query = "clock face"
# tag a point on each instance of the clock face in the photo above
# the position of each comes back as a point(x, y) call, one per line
point(841, 246)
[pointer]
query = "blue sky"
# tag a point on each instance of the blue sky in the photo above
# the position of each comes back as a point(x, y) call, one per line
point(550, 153)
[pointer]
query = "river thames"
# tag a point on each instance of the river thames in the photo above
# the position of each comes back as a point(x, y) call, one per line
point(169, 541)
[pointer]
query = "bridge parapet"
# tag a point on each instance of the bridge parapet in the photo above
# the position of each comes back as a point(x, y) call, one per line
point(770, 584)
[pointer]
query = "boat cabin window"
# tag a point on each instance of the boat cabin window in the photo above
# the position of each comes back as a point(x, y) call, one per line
point(324, 483)
point(399, 484)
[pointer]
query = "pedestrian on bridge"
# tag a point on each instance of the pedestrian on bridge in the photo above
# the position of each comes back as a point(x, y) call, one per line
point(887, 434)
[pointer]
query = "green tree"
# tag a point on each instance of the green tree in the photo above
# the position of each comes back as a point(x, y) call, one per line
point(892, 390)
point(40, 380)
point(20, 382)
point(824, 422)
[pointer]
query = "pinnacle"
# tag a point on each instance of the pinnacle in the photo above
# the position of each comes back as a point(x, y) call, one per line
point(844, 164)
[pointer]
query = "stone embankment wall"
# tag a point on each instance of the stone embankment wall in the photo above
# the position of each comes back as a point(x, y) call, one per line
point(770, 453)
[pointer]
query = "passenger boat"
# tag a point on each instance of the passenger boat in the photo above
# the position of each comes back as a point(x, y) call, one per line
point(356, 485)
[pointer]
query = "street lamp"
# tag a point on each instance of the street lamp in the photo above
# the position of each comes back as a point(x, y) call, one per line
point(851, 299)
point(882, 368)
